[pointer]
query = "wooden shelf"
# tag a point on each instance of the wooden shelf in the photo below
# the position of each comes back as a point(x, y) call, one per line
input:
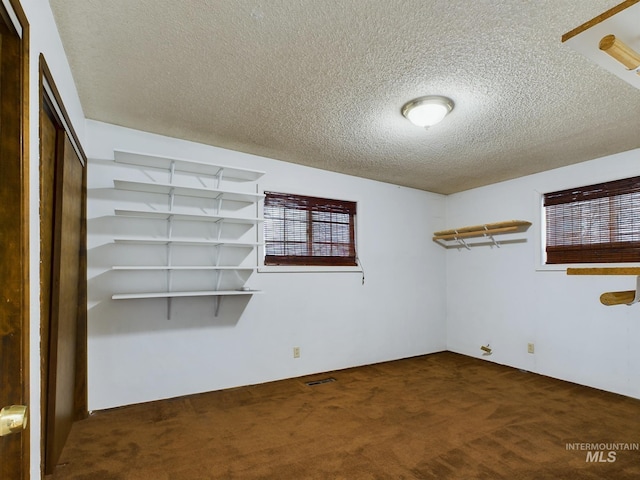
point(168, 188)
point(487, 230)
point(480, 230)
point(187, 166)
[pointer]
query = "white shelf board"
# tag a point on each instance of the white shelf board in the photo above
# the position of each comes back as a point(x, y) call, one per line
point(167, 188)
point(164, 215)
point(179, 267)
point(185, 241)
point(183, 165)
point(209, 293)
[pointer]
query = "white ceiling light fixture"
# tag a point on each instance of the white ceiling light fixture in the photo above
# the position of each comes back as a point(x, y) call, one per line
point(427, 111)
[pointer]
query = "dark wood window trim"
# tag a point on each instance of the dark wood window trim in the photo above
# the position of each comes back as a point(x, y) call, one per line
point(309, 231)
point(594, 224)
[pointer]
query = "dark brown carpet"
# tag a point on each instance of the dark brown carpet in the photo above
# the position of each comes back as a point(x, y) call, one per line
point(440, 416)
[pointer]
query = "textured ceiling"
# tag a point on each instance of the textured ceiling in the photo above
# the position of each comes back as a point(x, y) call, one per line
point(321, 83)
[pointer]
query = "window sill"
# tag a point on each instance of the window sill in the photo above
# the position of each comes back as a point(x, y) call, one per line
point(307, 269)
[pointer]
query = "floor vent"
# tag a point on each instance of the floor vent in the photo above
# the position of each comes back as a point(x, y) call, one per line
point(320, 382)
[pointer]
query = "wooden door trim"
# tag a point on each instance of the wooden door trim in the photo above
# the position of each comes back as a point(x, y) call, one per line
point(49, 92)
point(15, 18)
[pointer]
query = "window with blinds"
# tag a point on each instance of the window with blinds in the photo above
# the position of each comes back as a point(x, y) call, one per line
point(301, 230)
point(594, 224)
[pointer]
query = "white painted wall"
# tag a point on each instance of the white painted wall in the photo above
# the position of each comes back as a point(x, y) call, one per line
point(492, 295)
point(137, 355)
point(503, 297)
point(44, 39)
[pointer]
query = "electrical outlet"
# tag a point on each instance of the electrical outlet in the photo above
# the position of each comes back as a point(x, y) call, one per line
point(296, 352)
point(530, 348)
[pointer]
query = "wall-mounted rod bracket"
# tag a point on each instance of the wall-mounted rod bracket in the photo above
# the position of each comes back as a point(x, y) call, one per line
point(461, 241)
point(490, 236)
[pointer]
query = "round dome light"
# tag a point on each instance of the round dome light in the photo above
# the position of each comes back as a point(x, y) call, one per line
point(427, 111)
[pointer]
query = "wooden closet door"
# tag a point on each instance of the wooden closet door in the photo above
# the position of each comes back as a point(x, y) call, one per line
point(67, 283)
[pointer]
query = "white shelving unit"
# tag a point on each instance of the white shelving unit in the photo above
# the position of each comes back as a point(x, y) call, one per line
point(205, 187)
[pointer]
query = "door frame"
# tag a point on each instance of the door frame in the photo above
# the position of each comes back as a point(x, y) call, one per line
point(49, 93)
point(51, 99)
point(14, 17)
